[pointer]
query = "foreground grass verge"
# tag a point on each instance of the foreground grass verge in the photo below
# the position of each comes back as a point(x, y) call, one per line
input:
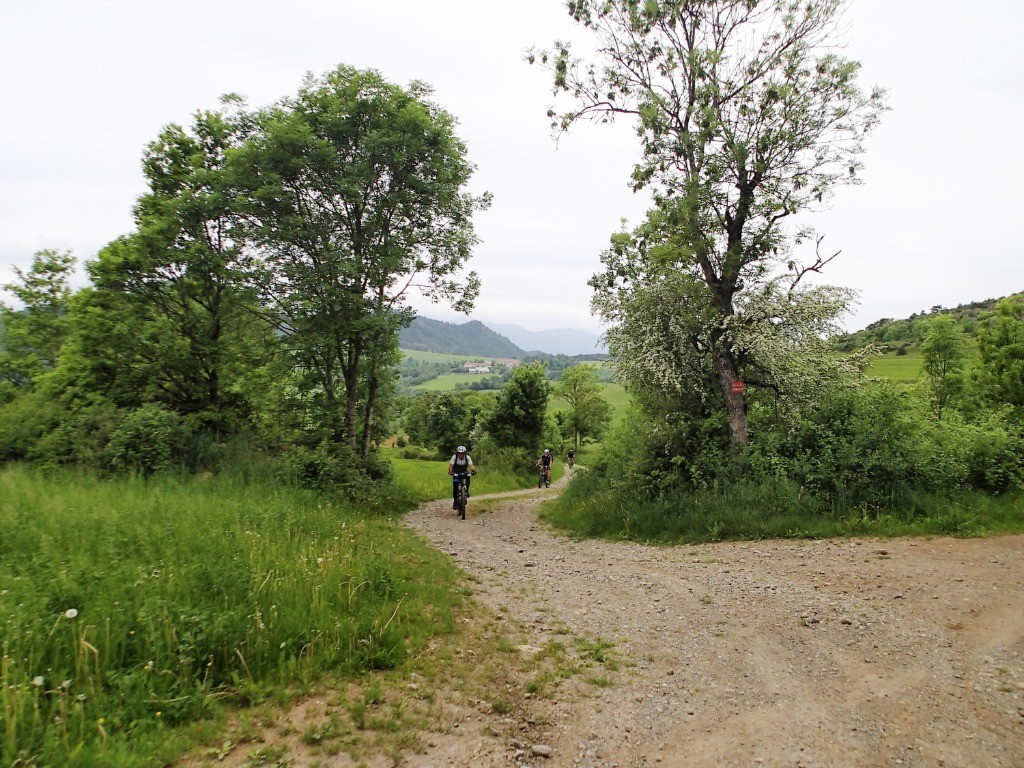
point(591, 508)
point(134, 610)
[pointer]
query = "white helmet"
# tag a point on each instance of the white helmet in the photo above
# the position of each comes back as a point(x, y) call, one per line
point(461, 449)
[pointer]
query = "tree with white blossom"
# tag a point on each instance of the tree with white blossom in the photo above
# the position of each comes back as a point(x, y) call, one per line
point(746, 118)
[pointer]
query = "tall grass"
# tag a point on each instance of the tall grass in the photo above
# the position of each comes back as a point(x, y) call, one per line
point(593, 507)
point(135, 605)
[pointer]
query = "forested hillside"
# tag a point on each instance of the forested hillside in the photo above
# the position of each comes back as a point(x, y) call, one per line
point(472, 338)
point(900, 334)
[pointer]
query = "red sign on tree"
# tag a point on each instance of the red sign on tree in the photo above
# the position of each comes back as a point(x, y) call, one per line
point(737, 387)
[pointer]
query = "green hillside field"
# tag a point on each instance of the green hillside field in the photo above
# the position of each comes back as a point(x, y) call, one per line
point(905, 369)
point(439, 357)
point(447, 381)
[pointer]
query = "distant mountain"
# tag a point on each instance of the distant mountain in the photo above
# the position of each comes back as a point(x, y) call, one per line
point(559, 341)
point(472, 338)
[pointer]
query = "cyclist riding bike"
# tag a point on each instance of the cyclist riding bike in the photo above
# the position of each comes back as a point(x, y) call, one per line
point(544, 462)
point(461, 464)
point(571, 456)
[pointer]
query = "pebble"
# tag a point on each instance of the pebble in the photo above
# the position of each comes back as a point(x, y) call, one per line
point(542, 750)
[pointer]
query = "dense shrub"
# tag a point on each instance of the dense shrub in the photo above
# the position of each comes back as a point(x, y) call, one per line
point(858, 454)
point(149, 439)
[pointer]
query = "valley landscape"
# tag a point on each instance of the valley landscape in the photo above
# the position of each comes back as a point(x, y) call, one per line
point(261, 510)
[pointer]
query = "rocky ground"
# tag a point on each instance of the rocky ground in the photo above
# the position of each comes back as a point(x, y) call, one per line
point(780, 653)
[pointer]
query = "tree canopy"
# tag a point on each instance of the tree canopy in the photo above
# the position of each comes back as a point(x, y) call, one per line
point(264, 283)
point(746, 118)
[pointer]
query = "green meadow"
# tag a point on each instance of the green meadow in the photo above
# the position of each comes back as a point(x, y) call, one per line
point(133, 609)
point(448, 381)
point(905, 369)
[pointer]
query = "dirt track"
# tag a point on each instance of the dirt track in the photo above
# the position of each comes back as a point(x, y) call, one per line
point(833, 653)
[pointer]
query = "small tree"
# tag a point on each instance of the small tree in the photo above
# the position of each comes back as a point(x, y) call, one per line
point(32, 335)
point(944, 352)
point(519, 416)
point(1001, 347)
point(589, 413)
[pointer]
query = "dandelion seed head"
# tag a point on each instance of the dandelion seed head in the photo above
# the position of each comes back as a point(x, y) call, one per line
point(71, 613)
point(38, 681)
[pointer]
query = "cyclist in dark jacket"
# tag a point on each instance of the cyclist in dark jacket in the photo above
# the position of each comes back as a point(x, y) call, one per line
point(545, 461)
point(460, 462)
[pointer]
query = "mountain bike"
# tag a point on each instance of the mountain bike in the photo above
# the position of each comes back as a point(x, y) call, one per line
point(461, 492)
point(545, 476)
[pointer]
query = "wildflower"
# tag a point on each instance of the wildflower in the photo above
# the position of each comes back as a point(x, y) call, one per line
point(159, 713)
point(101, 721)
point(38, 681)
point(71, 613)
point(149, 666)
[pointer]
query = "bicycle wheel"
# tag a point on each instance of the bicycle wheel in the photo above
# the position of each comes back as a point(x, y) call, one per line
point(462, 500)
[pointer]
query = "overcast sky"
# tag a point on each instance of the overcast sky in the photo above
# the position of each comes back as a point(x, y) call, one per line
point(87, 84)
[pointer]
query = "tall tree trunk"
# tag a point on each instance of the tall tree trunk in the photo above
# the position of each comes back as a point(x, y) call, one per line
point(735, 405)
point(371, 402)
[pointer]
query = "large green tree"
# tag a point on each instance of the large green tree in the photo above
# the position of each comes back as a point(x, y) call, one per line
point(520, 414)
point(355, 193)
point(746, 118)
point(170, 318)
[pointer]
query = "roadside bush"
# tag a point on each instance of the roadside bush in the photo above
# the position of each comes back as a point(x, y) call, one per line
point(517, 461)
point(23, 421)
point(857, 445)
point(150, 439)
point(80, 437)
point(418, 453)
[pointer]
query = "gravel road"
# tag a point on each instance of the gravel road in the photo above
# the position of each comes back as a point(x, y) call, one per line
point(852, 652)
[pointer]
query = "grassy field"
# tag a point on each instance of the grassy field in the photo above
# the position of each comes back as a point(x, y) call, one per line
point(133, 608)
point(447, 381)
point(902, 368)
